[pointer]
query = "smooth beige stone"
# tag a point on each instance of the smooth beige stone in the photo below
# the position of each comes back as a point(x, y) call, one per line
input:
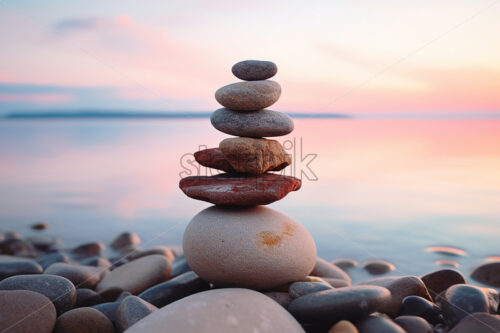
point(249, 96)
point(253, 247)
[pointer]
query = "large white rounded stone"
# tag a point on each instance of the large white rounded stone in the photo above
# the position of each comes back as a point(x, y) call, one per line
point(252, 247)
point(220, 310)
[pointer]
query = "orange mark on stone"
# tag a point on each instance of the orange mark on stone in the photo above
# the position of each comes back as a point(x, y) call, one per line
point(273, 238)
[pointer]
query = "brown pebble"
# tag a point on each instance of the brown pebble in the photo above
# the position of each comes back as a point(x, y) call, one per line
point(343, 326)
point(440, 280)
point(414, 324)
point(345, 263)
point(324, 269)
point(282, 298)
point(487, 273)
point(39, 226)
point(376, 267)
point(479, 322)
point(83, 320)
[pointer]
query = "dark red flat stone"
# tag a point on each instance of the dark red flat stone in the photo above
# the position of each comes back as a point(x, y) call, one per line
point(214, 158)
point(238, 190)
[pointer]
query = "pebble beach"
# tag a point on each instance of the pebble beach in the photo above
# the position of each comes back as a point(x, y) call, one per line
point(242, 266)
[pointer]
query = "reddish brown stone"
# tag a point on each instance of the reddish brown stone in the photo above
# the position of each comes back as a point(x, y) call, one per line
point(225, 189)
point(214, 158)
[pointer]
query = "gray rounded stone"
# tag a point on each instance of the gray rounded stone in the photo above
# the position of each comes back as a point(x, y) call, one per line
point(80, 275)
point(487, 273)
point(131, 310)
point(323, 269)
point(248, 96)
point(252, 70)
point(255, 124)
point(10, 266)
point(298, 289)
point(330, 306)
point(461, 300)
point(56, 288)
point(220, 310)
point(83, 320)
point(375, 324)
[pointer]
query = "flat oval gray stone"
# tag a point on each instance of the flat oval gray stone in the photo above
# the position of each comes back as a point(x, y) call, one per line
point(252, 70)
point(461, 300)
point(487, 273)
point(300, 288)
point(248, 96)
point(56, 288)
point(374, 324)
point(255, 124)
point(81, 276)
point(10, 266)
point(330, 306)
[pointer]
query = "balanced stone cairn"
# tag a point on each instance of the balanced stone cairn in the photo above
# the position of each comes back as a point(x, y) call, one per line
point(238, 242)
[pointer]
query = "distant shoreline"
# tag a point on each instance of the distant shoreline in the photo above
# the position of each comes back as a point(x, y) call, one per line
point(143, 115)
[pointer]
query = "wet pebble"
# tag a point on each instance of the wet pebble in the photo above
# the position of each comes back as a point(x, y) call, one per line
point(80, 275)
point(337, 283)
point(18, 247)
point(324, 269)
point(460, 300)
point(10, 266)
point(174, 289)
point(414, 324)
point(440, 280)
point(56, 288)
point(487, 273)
point(138, 275)
point(179, 266)
point(83, 320)
point(330, 306)
point(160, 249)
point(45, 244)
point(298, 289)
point(26, 311)
point(376, 324)
point(478, 323)
point(376, 267)
point(39, 226)
point(418, 306)
point(108, 309)
point(400, 287)
point(345, 263)
point(131, 310)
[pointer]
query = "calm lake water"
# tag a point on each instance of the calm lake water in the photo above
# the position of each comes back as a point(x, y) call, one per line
point(376, 189)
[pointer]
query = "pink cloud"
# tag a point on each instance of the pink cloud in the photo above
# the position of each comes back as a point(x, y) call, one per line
point(42, 98)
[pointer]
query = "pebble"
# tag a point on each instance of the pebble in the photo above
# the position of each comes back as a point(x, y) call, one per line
point(234, 190)
point(400, 287)
point(108, 309)
point(447, 251)
point(377, 266)
point(343, 326)
point(56, 288)
point(45, 244)
point(125, 239)
point(110, 294)
point(275, 248)
point(378, 324)
point(10, 266)
point(280, 297)
point(96, 262)
point(220, 310)
point(460, 300)
point(330, 306)
point(324, 269)
point(345, 263)
point(255, 156)
point(83, 320)
point(179, 266)
point(160, 249)
point(213, 158)
point(87, 297)
point(478, 323)
point(26, 311)
point(493, 299)
point(440, 280)
point(174, 289)
point(487, 273)
point(39, 226)
point(80, 275)
point(252, 70)
point(418, 306)
point(337, 283)
point(138, 275)
point(249, 96)
point(298, 289)
point(414, 324)
point(131, 310)
point(254, 124)
point(89, 249)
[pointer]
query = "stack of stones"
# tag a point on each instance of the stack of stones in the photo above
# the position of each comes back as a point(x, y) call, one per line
point(238, 242)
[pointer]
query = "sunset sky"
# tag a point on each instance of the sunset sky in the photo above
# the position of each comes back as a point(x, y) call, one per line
point(355, 57)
